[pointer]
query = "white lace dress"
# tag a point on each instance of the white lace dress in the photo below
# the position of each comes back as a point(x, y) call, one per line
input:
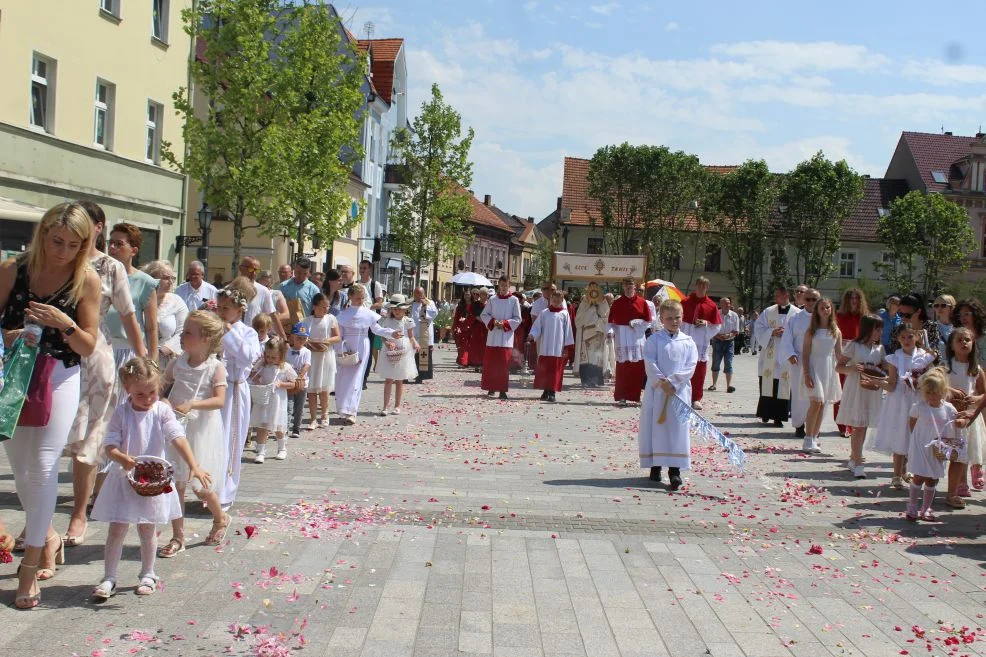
point(892, 435)
point(822, 364)
point(397, 363)
point(975, 433)
point(860, 407)
point(273, 415)
point(203, 429)
point(322, 376)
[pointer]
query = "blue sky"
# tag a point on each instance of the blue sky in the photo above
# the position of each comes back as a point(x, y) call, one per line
point(539, 80)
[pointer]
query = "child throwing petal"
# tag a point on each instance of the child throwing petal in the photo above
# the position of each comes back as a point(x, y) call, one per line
point(861, 396)
point(398, 361)
point(933, 435)
point(892, 436)
point(198, 392)
point(323, 333)
point(967, 385)
point(822, 350)
point(272, 416)
point(141, 426)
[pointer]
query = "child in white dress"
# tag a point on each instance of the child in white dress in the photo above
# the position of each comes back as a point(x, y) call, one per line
point(278, 377)
point(892, 436)
point(141, 426)
point(820, 382)
point(861, 395)
point(198, 392)
point(967, 384)
point(264, 326)
point(323, 333)
point(934, 439)
point(397, 363)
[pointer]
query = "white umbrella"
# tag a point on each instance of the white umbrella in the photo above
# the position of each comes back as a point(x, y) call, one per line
point(471, 278)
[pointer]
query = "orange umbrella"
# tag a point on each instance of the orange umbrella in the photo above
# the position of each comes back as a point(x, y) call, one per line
point(663, 290)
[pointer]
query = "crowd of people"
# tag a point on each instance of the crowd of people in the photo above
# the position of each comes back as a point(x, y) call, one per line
point(192, 374)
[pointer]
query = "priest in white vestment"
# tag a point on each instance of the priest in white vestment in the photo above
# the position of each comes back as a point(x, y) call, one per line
point(670, 357)
point(591, 349)
point(774, 370)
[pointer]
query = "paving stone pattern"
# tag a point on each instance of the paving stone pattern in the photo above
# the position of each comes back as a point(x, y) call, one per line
point(467, 526)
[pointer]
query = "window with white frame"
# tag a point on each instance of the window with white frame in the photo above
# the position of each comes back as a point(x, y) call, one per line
point(159, 19)
point(111, 7)
point(42, 92)
point(152, 151)
point(104, 114)
point(847, 264)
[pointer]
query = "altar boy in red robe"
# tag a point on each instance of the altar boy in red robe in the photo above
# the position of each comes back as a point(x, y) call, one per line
point(701, 321)
point(629, 319)
point(501, 317)
point(554, 328)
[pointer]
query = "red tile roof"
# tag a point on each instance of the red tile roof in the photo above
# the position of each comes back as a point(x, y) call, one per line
point(878, 193)
point(383, 60)
point(934, 152)
point(482, 215)
point(575, 191)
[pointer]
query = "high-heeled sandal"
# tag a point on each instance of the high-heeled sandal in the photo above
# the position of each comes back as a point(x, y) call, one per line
point(48, 573)
point(19, 543)
point(75, 541)
point(26, 602)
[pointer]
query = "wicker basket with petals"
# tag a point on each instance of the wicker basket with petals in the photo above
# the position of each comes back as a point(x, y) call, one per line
point(151, 476)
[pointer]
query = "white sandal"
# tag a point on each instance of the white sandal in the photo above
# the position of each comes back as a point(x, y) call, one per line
point(148, 584)
point(105, 591)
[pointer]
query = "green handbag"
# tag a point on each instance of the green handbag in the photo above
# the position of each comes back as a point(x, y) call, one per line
point(18, 366)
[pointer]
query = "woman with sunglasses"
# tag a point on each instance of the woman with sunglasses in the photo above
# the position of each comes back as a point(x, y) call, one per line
point(943, 305)
point(171, 311)
point(913, 312)
point(971, 314)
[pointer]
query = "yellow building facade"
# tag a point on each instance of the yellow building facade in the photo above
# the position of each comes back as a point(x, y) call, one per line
point(86, 104)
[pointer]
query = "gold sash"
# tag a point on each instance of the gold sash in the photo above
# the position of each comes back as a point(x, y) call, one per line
point(770, 360)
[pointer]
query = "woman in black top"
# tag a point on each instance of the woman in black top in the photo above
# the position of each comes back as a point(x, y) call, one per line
point(50, 285)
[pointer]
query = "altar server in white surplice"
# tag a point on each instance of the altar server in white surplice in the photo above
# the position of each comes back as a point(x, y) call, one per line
point(670, 357)
point(775, 375)
point(792, 343)
point(553, 330)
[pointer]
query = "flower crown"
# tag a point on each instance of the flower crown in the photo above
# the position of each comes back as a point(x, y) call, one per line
point(236, 296)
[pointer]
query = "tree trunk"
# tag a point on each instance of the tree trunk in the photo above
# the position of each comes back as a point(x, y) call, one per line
point(435, 290)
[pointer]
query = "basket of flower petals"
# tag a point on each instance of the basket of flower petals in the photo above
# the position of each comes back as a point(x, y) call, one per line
point(151, 476)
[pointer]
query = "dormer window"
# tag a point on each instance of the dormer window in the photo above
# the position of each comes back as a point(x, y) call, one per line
point(939, 177)
point(882, 212)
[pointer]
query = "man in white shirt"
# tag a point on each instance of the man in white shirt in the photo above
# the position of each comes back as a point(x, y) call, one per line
point(724, 344)
point(423, 307)
point(792, 344)
point(374, 290)
point(195, 291)
point(263, 301)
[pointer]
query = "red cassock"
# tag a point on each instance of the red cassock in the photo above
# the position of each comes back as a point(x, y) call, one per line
point(460, 331)
point(502, 318)
point(630, 374)
point(477, 342)
point(694, 307)
point(570, 350)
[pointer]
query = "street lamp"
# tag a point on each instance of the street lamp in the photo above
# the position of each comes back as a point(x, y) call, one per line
point(205, 221)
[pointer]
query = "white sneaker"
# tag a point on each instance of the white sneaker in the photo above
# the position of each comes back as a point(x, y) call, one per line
point(315, 424)
point(697, 405)
point(384, 413)
point(349, 419)
point(259, 458)
point(806, 445)
point(397, 410)
point(816, 446)
point(851, 465)
point(859, 472)
point(281, 454)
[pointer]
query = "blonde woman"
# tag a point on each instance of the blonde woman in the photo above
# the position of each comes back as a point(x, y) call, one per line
point(50, 285)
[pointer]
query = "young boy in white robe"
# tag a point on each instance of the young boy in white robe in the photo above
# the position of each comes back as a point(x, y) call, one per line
point(670, 357)
point(554, 328)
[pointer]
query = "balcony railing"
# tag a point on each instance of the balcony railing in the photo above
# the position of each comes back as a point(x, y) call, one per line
point(395, 174)
point(388, 244)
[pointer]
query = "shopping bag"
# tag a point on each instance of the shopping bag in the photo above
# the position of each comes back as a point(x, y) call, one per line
point(18, 366)
point(37, 406)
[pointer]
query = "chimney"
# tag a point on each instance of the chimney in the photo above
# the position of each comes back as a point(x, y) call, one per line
point(530, 220)
point(558, 207)
point(487, 200)
point(948, 133)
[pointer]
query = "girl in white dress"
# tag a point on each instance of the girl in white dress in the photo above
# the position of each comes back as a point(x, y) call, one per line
point(198, 392)
point(397, 363)
point(932, 426)
point(141, 426)
point(967, 385)
point(820, 384)
point(323, 333)
point(275, 373)
point(240, 350)
point(354, 322)
point(861, 395)
point(892, 436)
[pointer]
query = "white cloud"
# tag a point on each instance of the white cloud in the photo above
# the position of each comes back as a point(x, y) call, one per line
point(544, 53)
point(791, 56)
point(671, 27)
point(933, 71)
point(530, 5)
point(605, 9)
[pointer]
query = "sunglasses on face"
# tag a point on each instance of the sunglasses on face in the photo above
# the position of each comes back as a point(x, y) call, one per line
point(942, 305)
point(905, 315)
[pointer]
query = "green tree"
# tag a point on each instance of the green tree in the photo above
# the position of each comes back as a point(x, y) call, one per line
point(429, 215)
point(270, 122)
point(816, 198)
point(541, 263)
point(928, 230)
point(745, 204)
point(618, 180)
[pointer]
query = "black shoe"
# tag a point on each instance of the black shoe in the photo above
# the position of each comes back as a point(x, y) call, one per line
point(778, 423)
point(503, 395)
point(730, 388)
point(800, 432)
point(544, 396)
point(551, 396)
point(674, 479)
point(655, 473)
point(490, 393)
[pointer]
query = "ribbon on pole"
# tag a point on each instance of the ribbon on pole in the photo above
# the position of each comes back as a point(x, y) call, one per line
point(707, 431)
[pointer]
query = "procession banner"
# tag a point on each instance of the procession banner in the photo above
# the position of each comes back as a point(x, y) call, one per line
point(589, 267)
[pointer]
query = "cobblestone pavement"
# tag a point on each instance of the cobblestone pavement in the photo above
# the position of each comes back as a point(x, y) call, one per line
point(468, 526)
